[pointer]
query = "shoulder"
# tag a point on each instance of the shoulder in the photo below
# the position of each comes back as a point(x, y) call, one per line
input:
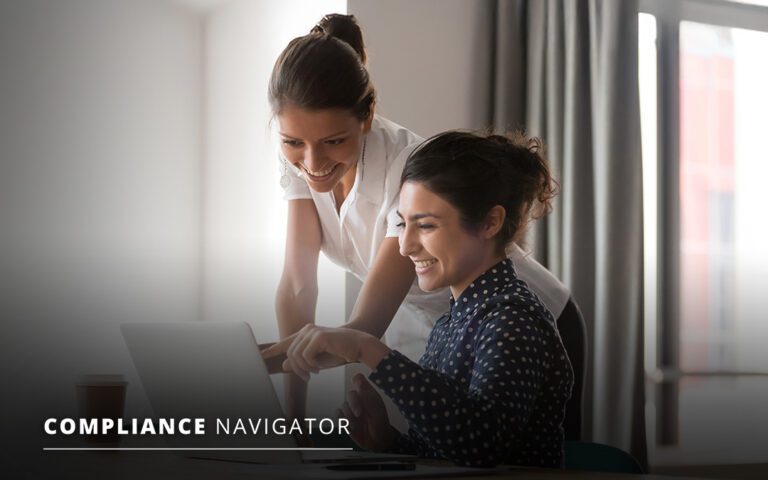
point(393, 142)
point(388, 146)
point(515, 310)
point(547, 287)
point(394, 136)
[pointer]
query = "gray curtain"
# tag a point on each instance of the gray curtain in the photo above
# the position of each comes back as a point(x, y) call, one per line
point(566, 70)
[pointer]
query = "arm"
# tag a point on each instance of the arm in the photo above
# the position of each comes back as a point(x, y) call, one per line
point(312, 345)
point(296, 297)
point(475, 424)
point(383, 291)
point(385, 287)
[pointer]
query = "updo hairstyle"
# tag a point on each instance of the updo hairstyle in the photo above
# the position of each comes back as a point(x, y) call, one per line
point(475, 172)
point(324, 69)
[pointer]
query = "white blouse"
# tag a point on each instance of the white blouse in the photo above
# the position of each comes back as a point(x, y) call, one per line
point(352, 236)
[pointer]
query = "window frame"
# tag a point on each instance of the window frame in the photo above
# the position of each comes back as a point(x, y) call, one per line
point(663, 371)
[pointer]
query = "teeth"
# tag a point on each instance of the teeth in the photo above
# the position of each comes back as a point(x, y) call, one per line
point(424, 263)
point(319, 173)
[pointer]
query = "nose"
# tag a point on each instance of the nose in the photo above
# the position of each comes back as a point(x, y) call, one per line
point(313, 157)
point(408, 242)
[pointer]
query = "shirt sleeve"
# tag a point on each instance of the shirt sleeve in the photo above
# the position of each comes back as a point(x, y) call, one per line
point(475, 425)
point(393, 185)
point(295, 188)
point(393, 220)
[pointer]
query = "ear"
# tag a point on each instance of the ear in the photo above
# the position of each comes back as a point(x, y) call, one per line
point(494, 220)
point(369, 121)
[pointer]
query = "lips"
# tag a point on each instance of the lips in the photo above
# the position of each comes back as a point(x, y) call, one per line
point(425, 263)
point(423, 266)
point(319, 175)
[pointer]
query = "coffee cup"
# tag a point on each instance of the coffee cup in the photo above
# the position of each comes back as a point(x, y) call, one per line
point(98, 397)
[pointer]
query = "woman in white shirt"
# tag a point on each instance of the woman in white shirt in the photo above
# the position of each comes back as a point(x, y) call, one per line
point(341, 167)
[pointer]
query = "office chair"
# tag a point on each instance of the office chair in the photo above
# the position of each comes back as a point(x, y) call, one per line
point(584, 455)
point(597, 457)
point(572, 330)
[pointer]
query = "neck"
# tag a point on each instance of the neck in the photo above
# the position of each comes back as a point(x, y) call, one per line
point(490, 259)
point(346, 183)
point(342, 189)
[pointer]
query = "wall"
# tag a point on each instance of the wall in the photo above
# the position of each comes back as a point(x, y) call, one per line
point(100, 141)
point(138, 180)
point(429, 60)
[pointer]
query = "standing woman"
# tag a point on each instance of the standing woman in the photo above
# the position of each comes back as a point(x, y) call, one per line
point(341, 167)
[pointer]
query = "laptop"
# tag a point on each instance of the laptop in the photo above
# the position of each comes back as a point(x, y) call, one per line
point(214, 370)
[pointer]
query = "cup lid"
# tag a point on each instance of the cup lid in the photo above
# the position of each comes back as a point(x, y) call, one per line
point(100, 379)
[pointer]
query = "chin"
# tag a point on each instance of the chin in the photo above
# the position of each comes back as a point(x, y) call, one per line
point(321, 188)
point(428, 286)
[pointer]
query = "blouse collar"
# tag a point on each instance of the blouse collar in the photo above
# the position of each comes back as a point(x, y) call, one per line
point(372, 165)
point(496, 278)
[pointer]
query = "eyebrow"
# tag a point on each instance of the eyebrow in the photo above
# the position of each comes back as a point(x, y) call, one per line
point(324, 138)
point(418, 216)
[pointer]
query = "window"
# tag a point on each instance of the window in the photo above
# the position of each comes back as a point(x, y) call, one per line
point(704, 100)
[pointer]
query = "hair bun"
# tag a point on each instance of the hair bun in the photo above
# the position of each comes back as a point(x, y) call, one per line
point(345, 28)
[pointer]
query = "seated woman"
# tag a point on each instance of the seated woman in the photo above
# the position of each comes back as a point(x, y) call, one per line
point(493, 383)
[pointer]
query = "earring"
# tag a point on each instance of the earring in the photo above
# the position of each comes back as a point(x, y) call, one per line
point(362, 161)
point(285, 180)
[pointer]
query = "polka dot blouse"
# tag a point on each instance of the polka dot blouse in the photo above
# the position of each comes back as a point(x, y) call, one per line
point(492, 384)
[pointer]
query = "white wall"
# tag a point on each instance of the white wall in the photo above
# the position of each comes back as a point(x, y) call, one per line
point(134, 145)
point(429, 60)
point(100, 141)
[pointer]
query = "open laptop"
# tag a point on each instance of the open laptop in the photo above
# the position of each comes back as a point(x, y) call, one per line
point(214, 370)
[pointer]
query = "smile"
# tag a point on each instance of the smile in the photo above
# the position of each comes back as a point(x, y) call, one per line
point(320, 174)
point(424, 263)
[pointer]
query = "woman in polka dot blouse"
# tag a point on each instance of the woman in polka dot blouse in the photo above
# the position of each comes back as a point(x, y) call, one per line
point(492, 385)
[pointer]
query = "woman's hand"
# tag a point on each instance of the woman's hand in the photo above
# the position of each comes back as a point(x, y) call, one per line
point(309, 352)
point(275, 354)
point(368, 420)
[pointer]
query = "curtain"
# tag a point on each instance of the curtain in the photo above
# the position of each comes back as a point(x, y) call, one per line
point(566, 71)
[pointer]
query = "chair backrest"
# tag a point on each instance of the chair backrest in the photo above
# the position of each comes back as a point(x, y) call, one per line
point(573, 332)
point(597, 457)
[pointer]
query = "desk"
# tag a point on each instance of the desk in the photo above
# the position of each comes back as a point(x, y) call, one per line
point(151, 465)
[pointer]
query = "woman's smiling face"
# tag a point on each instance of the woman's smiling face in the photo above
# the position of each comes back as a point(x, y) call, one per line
point(443, 251)
point(323, 144)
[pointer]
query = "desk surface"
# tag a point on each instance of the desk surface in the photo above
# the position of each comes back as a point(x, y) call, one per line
point(150, 465)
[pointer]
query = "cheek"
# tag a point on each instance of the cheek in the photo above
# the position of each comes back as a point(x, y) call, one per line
point(292, 155)
point(459, 254)
point(346, 153)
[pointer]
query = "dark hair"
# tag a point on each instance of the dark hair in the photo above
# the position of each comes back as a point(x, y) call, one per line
point(324, 69)
point(475, 172)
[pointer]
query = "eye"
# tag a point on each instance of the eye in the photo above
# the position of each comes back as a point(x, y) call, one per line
point(426, 226)
point(292, 143)
point(335, 141)
point(400, 225)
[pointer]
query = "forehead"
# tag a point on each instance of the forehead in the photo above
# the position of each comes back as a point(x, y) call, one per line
point(415, 198)
point(303, 123)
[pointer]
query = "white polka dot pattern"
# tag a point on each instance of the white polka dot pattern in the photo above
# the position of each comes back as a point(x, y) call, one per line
point(492, 385)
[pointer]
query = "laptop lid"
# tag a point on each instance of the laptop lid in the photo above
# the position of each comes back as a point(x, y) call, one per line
point(210, 370)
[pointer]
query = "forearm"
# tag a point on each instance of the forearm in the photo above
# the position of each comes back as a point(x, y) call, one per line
point(295, 389)
point(384, 289)
point(450, 420)
point(294, 306)
point(374, 310)
point(372, 352)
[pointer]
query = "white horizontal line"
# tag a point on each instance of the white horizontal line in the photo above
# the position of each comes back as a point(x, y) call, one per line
point(191, 449)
